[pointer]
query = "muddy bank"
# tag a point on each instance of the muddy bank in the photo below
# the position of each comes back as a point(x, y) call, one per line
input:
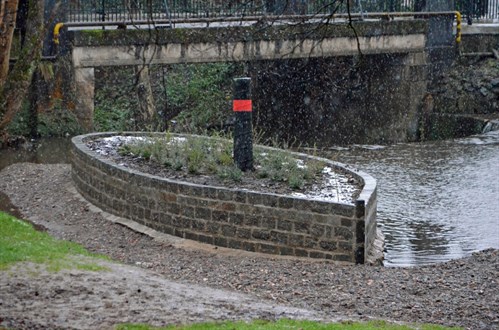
point(33, 298)
point(460, 292)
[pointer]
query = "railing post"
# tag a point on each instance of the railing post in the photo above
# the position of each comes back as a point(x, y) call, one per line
point(243, 129)
point(103, 11)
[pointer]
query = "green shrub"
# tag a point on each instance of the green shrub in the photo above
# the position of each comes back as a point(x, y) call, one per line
point(58, 121)
point(200, 94)
point(203, 155)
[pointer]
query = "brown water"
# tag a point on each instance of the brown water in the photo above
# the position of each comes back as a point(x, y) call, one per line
point(45, 151)
point(437, 200)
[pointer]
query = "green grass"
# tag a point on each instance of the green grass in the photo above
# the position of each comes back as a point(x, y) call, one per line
point(285, 324)
point(19, 242)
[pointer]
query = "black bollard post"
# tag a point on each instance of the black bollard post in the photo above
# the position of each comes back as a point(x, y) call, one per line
point(243, 129)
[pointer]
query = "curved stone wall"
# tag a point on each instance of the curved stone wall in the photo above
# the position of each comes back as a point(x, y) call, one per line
point(232, 218)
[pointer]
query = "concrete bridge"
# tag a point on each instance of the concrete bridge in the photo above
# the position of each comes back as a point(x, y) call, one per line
point(400, 43)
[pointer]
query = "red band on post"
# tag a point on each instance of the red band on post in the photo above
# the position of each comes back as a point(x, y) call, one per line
point(242, 106)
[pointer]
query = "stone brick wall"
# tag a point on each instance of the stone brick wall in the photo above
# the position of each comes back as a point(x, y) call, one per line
point(232, 218)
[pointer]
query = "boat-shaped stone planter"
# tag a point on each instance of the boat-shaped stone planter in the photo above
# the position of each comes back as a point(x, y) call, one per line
point(233, 218)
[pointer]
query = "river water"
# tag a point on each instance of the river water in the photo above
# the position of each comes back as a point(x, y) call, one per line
point(436, 200)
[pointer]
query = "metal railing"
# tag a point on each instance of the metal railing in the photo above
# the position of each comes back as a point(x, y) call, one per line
point(147, 10)
point(481, 10)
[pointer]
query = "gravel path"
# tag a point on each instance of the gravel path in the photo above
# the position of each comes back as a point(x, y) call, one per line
point(461, 292)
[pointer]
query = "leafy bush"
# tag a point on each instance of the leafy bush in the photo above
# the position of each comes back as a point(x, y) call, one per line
point(115, 99)
point(200, 94)
point(58, 121)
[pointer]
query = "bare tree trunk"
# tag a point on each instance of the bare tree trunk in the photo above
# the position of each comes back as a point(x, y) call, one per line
point(145, 119)
point(34, 99)
point(16, 86)
point(8, 12)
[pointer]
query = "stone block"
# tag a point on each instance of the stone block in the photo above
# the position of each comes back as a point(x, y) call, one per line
point(220, 241)
point(236, 219)
point(328, 245)
point(203, 213)
point(260, 234)
point(220, 216)
point(317, 230)
point(342, 257)
point(187, 211)
point(285, 225)
point(295, 240)
point(243, 233)
point(251, 220)
point(254, 199)
point(279, 237)
point(302, 227)
point(267, 248)
point(268, 223)
point(229, 231)
point(234, 244)
point(198, 225)
point(343, 233)
point(213, 227)
point(317, 255)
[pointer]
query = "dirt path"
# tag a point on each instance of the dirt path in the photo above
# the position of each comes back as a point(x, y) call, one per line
point(179, 282)
point(32, 298)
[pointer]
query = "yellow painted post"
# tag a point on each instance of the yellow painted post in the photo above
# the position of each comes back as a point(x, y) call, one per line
point(458, 26)
point(57, 29)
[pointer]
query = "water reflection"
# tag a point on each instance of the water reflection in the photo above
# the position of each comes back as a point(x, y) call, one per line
point(437, 201)
point(45, 151)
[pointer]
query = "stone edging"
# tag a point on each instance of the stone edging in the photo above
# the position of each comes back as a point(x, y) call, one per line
point(239, 219)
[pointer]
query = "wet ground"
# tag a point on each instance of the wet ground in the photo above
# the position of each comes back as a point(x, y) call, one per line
point(437, 200)
point(168, 281)
point(45, 151)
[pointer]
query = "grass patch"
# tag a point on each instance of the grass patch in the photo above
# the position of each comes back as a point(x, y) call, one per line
point(19, 242)
point(213, 156)
point(285, 324)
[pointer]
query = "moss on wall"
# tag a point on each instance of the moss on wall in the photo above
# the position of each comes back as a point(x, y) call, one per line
point(238, 33)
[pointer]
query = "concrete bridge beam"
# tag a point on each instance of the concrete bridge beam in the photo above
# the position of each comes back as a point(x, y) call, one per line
point(402, 39)
point(173, 53)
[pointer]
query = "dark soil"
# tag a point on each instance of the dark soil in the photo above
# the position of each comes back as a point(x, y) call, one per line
point(335, 186)
point(169, 280)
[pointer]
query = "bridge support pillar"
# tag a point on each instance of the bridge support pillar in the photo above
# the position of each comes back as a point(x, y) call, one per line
point(85, 92)
point(341, 100)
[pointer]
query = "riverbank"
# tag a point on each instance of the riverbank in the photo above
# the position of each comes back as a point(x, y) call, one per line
point(460, 292)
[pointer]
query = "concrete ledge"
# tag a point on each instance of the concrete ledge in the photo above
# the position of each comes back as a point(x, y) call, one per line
point(480, 29)
point(239, 219)
point(244, 51)
point(195, 45)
